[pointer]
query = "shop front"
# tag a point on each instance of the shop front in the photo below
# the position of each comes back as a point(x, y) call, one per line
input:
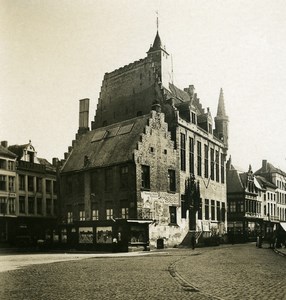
point(118, 235)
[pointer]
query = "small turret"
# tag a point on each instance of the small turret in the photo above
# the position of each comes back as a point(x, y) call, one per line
point(221, 121)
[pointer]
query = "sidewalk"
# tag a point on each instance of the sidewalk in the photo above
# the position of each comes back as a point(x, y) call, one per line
point(281, 251)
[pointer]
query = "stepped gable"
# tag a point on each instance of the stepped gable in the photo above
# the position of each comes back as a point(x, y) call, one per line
point(5, 152)
point(106, 146)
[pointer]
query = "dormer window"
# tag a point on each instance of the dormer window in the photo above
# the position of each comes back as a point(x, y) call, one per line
point(194, 118)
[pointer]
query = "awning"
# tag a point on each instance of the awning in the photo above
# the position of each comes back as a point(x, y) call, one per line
point(283, 225)
point(140, 221)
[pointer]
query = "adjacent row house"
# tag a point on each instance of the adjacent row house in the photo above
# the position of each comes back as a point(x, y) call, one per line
point(29, 201)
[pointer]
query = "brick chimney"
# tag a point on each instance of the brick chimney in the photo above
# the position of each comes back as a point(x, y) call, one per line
point(83, 116)
point(264, 165)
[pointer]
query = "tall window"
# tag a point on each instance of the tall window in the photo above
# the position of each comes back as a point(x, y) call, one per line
point(95, 214)
point(22, 205)
point(200, 211)
point(124, 210)
point(206, 161)
point(207, 209)
point(3, 206)
point(49, 206)
point(212, 210)
point(183, 207)
point(3, 164)
point(11, 165)
point(145, 173)
point(39, 184)
point(21, 182)
point(172, 180)
point(183, 152)
point(109, 213)
point(11, 206)
point(11, 184)
point(82, 215)
point(173, 214)
point(191, 155)
point(108, 179)
point(217, 166)
point(222, 167)
point(31, 205)
point(218, 212)
point(70, 217)
point(199, 167)
point(39, 206)
point(123, 177)
point(212, 164)
point(48, 186)
point(30, 183)
point(232, 207)
point(223, 211)
point(2, 183)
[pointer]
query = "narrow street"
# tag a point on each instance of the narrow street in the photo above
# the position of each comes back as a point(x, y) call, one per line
point(225, 272)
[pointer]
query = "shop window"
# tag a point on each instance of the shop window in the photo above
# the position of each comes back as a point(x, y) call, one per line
point(145, 173)
point(173, 214)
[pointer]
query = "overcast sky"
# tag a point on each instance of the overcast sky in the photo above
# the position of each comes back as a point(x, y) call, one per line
point(54, 53)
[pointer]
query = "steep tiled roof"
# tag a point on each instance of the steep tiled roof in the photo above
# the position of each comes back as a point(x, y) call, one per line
point(5, 152)
point(107, 145)
point(264, 182)
point(18, 149)
point(270, 169)
point(234, 181)
point(48, 165)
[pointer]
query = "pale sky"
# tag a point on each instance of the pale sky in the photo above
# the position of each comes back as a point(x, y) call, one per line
point(53, 53)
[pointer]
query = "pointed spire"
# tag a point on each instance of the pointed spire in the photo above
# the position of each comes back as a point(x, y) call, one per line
point(221, 107)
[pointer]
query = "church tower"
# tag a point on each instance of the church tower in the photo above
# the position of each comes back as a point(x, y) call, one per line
point(221, 121)
point(162, 61)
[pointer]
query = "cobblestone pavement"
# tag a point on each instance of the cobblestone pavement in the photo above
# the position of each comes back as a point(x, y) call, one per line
point(228, 272)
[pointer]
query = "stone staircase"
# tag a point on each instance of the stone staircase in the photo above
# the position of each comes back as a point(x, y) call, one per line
point(186, 242)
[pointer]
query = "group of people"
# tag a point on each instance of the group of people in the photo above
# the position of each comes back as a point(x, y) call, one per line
point(274, 240)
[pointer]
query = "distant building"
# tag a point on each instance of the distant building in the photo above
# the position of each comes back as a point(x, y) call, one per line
point(275, 200)
point(31, 195)
point(7, 191)
point(153, 164)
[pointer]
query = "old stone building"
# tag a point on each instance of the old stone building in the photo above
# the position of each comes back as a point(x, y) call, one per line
point(152, 165)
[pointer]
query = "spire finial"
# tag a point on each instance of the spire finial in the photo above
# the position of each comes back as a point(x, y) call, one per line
point(157, 20)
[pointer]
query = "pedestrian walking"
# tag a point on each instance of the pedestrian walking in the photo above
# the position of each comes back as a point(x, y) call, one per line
point(114, 245)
